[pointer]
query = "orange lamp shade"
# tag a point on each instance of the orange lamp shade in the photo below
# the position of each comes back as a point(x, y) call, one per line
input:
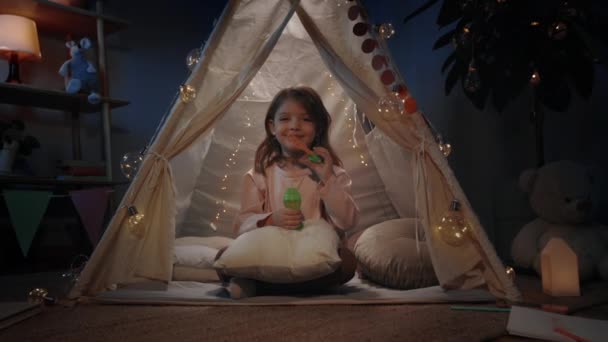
point(18, 42)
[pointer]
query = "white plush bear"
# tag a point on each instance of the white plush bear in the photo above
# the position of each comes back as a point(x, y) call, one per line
point(560, 194)
point(79, 73)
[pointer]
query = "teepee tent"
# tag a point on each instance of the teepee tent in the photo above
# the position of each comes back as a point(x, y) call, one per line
point(189, 180)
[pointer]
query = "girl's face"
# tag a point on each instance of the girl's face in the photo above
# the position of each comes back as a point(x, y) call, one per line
point(292, 119)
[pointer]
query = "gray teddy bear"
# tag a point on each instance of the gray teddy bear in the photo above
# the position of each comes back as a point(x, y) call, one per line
point(560, 195)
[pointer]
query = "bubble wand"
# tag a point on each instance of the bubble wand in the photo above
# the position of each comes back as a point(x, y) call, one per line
point(312, 156)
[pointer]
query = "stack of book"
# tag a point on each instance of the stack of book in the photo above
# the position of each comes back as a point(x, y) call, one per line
point(81, 170)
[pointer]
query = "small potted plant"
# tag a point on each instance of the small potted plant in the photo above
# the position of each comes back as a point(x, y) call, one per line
point(13, 141)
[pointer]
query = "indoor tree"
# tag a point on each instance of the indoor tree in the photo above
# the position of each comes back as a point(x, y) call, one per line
point(503, 47)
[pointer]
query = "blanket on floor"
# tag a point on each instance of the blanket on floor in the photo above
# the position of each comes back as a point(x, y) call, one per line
point(356, 291)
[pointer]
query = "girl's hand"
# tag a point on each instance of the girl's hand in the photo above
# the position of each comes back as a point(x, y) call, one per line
point(287, 218)
point(323, 170)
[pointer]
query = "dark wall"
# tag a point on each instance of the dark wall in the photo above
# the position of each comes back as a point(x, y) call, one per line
point(490, 149)
point(150, 64)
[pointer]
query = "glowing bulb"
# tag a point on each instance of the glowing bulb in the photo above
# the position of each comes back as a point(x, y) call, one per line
point(187, 93)
point(446, 148)
point(391, 107)
point(453, 228)
point(135, 222)
point(130, 163)
point(558, 31)
point(510, 272)
point(39, 295)
point(472, 80)
point(386, 30)
point(535, 78)
point(193, 57)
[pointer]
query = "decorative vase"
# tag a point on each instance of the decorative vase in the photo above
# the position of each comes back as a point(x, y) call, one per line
point(7, 157)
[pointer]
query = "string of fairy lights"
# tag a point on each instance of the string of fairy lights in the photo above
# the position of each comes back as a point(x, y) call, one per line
point(350, 113)
point(230, 163)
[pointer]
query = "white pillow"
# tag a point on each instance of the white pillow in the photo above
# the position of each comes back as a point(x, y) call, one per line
point(387, 255)
point(194, 256)
point(278, 255)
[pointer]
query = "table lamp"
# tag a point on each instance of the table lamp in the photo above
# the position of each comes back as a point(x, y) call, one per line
point(18, 42)
point(559, 269)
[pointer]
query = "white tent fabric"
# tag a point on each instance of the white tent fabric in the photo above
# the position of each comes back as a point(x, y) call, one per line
point(189, 181)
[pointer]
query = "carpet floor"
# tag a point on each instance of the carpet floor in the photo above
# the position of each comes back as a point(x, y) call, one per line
point(403, 322)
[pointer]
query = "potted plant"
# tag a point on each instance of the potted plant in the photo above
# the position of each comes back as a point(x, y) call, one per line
point(13, 141)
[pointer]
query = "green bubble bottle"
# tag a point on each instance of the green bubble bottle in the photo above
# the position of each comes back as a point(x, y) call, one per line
point(293, 200)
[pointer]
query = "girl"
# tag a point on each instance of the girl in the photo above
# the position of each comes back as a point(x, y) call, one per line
point(296, 117)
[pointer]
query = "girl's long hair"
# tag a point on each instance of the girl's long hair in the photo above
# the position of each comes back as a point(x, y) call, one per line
point(269, 151)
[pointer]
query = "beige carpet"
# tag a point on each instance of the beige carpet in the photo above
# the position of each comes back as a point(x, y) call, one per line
point(402, 322)
point(281, 323)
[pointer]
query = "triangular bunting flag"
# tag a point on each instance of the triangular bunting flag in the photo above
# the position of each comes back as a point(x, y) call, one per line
point(91, 205)
point(26, 209)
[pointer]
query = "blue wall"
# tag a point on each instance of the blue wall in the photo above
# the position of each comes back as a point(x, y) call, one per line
point(153, 66)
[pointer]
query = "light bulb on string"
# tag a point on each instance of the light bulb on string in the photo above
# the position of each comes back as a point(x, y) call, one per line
point(510, 272)
point(558, 31)
point(445, 148)
point(386, 31)
point(130, 163)
point(135, 224)
point(40, 295)
point(193, 58)
point(453, 229)
point(472, 81)
point(391, 107)
point(187, 93)
point(535, 78)
point(462, 39)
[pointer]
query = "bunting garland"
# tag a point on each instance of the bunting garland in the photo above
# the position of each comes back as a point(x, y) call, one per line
point(91, 205)
point(26, 209)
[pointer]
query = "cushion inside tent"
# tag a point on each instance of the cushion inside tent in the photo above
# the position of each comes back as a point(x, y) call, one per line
point(222, 157)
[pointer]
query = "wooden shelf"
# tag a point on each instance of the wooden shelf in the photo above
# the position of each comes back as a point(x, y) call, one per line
point(25, 95)
point(9, 181)
point(62, 22)
point(59, 20)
